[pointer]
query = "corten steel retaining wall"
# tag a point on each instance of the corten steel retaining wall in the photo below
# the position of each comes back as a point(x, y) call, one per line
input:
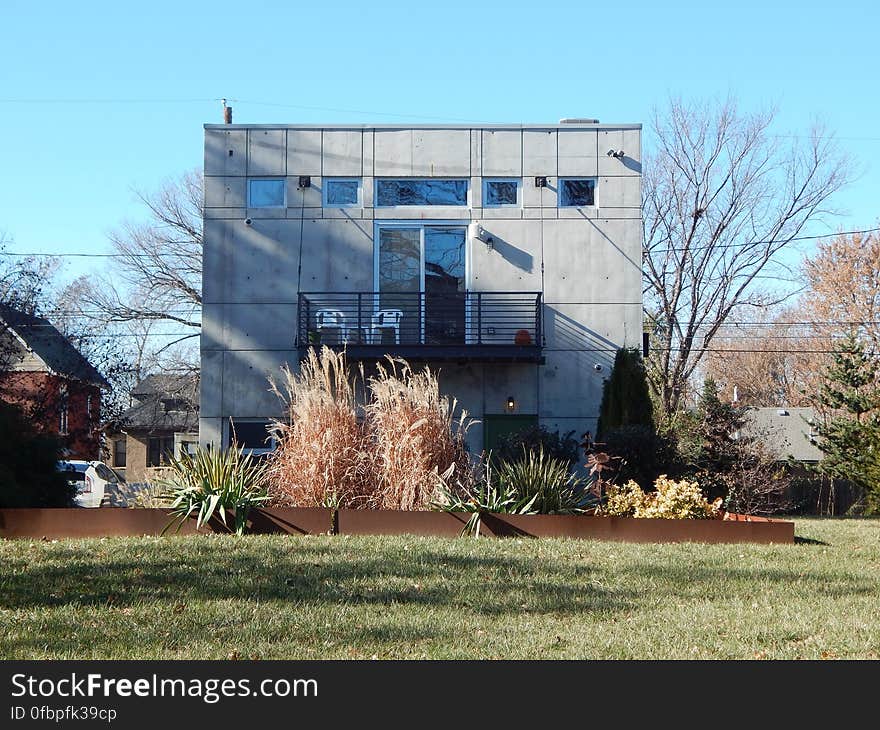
point(121, 522)
point(117, 522)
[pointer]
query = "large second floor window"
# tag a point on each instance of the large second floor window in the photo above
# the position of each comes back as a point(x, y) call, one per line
point(421, 191)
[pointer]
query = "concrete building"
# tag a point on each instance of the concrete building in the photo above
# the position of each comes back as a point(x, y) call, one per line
point(507, 256)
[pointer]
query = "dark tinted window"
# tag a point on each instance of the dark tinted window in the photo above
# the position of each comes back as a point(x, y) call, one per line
point(577, 192)
point(250, 434)
point(119, 452)
point(500, 192)
point(160, 449)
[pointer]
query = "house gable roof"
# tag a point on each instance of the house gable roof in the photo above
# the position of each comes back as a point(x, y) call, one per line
point(165, 403)
point(51, 347)
point(785, 431)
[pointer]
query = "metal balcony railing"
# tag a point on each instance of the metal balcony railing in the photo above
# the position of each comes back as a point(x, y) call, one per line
point(453, 324)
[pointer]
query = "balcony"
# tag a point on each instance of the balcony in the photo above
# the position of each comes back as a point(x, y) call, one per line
point(456, 326)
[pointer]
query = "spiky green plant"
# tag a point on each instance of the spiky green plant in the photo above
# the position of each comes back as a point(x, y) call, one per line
point(486, 495)
point(212, 482)
point(544, 482)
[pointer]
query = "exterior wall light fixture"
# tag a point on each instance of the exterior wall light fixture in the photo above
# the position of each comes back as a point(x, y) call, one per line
point(511, 403)
point(481, 234)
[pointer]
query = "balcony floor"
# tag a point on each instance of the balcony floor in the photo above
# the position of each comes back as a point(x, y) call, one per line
point(443, 353)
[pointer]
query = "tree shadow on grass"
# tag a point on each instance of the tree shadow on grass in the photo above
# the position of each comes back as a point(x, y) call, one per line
point(798, 540)
point(719, 583)
point(312, 575)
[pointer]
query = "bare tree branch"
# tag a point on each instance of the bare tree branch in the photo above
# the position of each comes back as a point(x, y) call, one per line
point(157, 272)
point(721, 200)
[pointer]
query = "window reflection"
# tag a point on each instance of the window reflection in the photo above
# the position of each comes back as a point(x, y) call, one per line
point(421, 192)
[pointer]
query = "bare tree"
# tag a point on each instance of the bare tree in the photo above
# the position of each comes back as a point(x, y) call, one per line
point(722, 198)
point(123, 352)
point(770, 361)
point(23, 286)
point(156, 274)
point(23, 279)
point(782, 360)
point(843, 287)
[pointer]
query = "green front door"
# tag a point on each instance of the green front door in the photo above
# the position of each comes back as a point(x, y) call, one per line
point(494, 427)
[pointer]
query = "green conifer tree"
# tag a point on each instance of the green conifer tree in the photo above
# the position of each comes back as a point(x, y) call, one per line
point(850, 439)
point(625, 397)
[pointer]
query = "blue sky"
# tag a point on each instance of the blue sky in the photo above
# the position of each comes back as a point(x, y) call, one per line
point(100, 98)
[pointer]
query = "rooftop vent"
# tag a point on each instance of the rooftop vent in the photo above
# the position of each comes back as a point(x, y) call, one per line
point(578, 120)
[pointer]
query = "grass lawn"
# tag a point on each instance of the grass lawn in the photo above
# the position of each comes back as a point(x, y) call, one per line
point(347, 597)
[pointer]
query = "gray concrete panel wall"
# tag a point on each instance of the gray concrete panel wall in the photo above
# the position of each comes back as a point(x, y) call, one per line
point(266, 152)
point(342, 153)
point(585, 261)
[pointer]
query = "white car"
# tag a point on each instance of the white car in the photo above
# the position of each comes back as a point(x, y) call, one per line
point(91, 479)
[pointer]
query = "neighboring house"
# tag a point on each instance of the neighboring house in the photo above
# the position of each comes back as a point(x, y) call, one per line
point(790, 434)
point(163, 421)
point(785, 432)
point(506, 256)
point(51, 381)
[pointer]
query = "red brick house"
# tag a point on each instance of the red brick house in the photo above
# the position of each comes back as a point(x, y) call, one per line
point(50, 380)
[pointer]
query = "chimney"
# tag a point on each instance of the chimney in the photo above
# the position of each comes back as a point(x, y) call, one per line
point(227, 113)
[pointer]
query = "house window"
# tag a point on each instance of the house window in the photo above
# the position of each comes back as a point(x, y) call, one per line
point(160, 449)
point(266, 193)
point(189, 448)
point(431, 191)
point(119, 446)
point(251, 436)
point(62, 410)
point(575, 192)
point(342, 192)
point(501, 193)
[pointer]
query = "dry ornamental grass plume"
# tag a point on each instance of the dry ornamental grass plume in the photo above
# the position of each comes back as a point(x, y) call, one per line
point(419, 444)
point(393, 452)
point(323, 458)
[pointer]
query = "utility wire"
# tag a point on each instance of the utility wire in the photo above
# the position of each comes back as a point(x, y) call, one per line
point(105, 101)
point(649, 251)
point(205, 100)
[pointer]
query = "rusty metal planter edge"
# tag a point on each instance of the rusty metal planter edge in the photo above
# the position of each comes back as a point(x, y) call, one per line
point(117, 522)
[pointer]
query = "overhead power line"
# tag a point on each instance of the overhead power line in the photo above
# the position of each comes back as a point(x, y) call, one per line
point(105, 101)
point(653, 250)
point(762, 243)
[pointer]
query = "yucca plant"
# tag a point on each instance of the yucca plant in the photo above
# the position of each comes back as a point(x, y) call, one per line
point(486, 495)
point(544, 482)
point(212, 482)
